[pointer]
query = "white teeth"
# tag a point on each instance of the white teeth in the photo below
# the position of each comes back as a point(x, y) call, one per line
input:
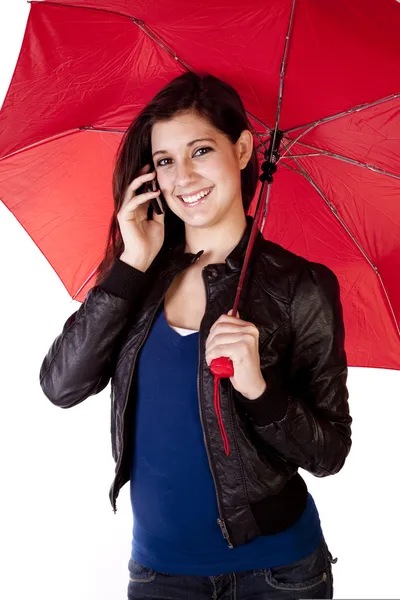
point(191, 199)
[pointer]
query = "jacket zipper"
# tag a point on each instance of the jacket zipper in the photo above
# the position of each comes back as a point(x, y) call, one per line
point(224, 530)
point(220, 520)
point(126, 402)
point(111, 494)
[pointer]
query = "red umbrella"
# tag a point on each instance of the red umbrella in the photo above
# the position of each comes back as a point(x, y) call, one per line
point(320, 82)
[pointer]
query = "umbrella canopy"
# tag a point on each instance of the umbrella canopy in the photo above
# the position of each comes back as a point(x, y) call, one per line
point(323, 75)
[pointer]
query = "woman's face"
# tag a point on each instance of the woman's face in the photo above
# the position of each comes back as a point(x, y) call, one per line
point(185, 167)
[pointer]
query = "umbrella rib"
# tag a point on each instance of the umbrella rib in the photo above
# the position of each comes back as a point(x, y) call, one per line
point(259, 150)
point(81, 6)
point(42, 141)
point(304, 174)
point(104, 129)
point(60, 135)
point(155, 37)
point(357, 108)
point(267, 127)
point(138, 22)
point(84, 283)
point(352, 161)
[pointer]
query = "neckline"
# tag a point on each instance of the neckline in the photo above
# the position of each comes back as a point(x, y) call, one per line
point(172, 328)
point(185, 332)
point(175, 337)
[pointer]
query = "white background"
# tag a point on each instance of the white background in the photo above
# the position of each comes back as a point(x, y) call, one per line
point(59, 538)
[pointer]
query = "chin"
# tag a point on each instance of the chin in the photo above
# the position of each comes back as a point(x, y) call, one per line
point(201, 216)
point(200, 221)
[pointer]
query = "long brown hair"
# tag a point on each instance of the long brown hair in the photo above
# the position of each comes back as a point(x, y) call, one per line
point(210, 98)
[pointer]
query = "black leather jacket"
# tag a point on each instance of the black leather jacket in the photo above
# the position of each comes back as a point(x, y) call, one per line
point(301, 420)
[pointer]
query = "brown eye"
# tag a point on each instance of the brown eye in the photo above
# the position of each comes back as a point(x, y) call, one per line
point(205, 148)
point(208, 148)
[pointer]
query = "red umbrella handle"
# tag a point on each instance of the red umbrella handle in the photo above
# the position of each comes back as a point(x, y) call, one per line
point(222, 367)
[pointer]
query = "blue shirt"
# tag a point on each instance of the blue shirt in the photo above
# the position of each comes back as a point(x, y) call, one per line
point(175, 511)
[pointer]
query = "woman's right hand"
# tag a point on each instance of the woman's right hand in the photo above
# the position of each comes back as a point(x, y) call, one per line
point(142, 238)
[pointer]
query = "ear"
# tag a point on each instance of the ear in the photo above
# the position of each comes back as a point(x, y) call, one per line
point(244, 147)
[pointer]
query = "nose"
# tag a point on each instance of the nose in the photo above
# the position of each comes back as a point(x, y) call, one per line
point(183, 174)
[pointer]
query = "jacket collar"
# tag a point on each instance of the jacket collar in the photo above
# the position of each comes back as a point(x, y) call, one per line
point(234, 260)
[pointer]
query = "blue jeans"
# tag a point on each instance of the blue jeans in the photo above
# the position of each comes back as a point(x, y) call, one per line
point(308, 578)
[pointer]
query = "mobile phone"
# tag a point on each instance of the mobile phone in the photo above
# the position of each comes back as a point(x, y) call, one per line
point(156, 203)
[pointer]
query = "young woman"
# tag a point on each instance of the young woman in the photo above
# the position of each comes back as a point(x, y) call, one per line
point(220, 510)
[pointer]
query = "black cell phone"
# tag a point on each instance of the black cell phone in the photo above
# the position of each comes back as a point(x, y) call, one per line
point(156, 203)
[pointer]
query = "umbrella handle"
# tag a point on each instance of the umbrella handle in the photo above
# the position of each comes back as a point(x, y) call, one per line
point(222, 367)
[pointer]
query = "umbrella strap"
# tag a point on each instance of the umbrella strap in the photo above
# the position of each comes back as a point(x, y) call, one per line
point(217, 408)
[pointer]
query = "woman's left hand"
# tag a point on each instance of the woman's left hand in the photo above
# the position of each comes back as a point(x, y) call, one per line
point(238, 340)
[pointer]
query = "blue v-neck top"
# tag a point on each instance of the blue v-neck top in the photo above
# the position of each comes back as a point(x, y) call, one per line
point(175, 511)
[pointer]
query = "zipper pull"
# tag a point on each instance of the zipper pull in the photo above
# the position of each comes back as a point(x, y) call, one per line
point(225, 533)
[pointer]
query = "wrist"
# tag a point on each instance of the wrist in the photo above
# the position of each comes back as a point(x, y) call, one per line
point(257, 391)
point(134, 262)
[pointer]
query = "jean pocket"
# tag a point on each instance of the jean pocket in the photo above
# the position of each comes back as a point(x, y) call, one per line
point(138, 573)
point(304, 575)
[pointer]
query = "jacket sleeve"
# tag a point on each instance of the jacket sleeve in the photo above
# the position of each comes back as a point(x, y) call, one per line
point(305, 415)
point(79, 362)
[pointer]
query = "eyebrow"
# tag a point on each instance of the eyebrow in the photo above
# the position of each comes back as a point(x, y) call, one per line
point(188, 145)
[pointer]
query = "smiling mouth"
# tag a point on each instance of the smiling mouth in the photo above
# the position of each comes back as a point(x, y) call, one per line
point(195, 199)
